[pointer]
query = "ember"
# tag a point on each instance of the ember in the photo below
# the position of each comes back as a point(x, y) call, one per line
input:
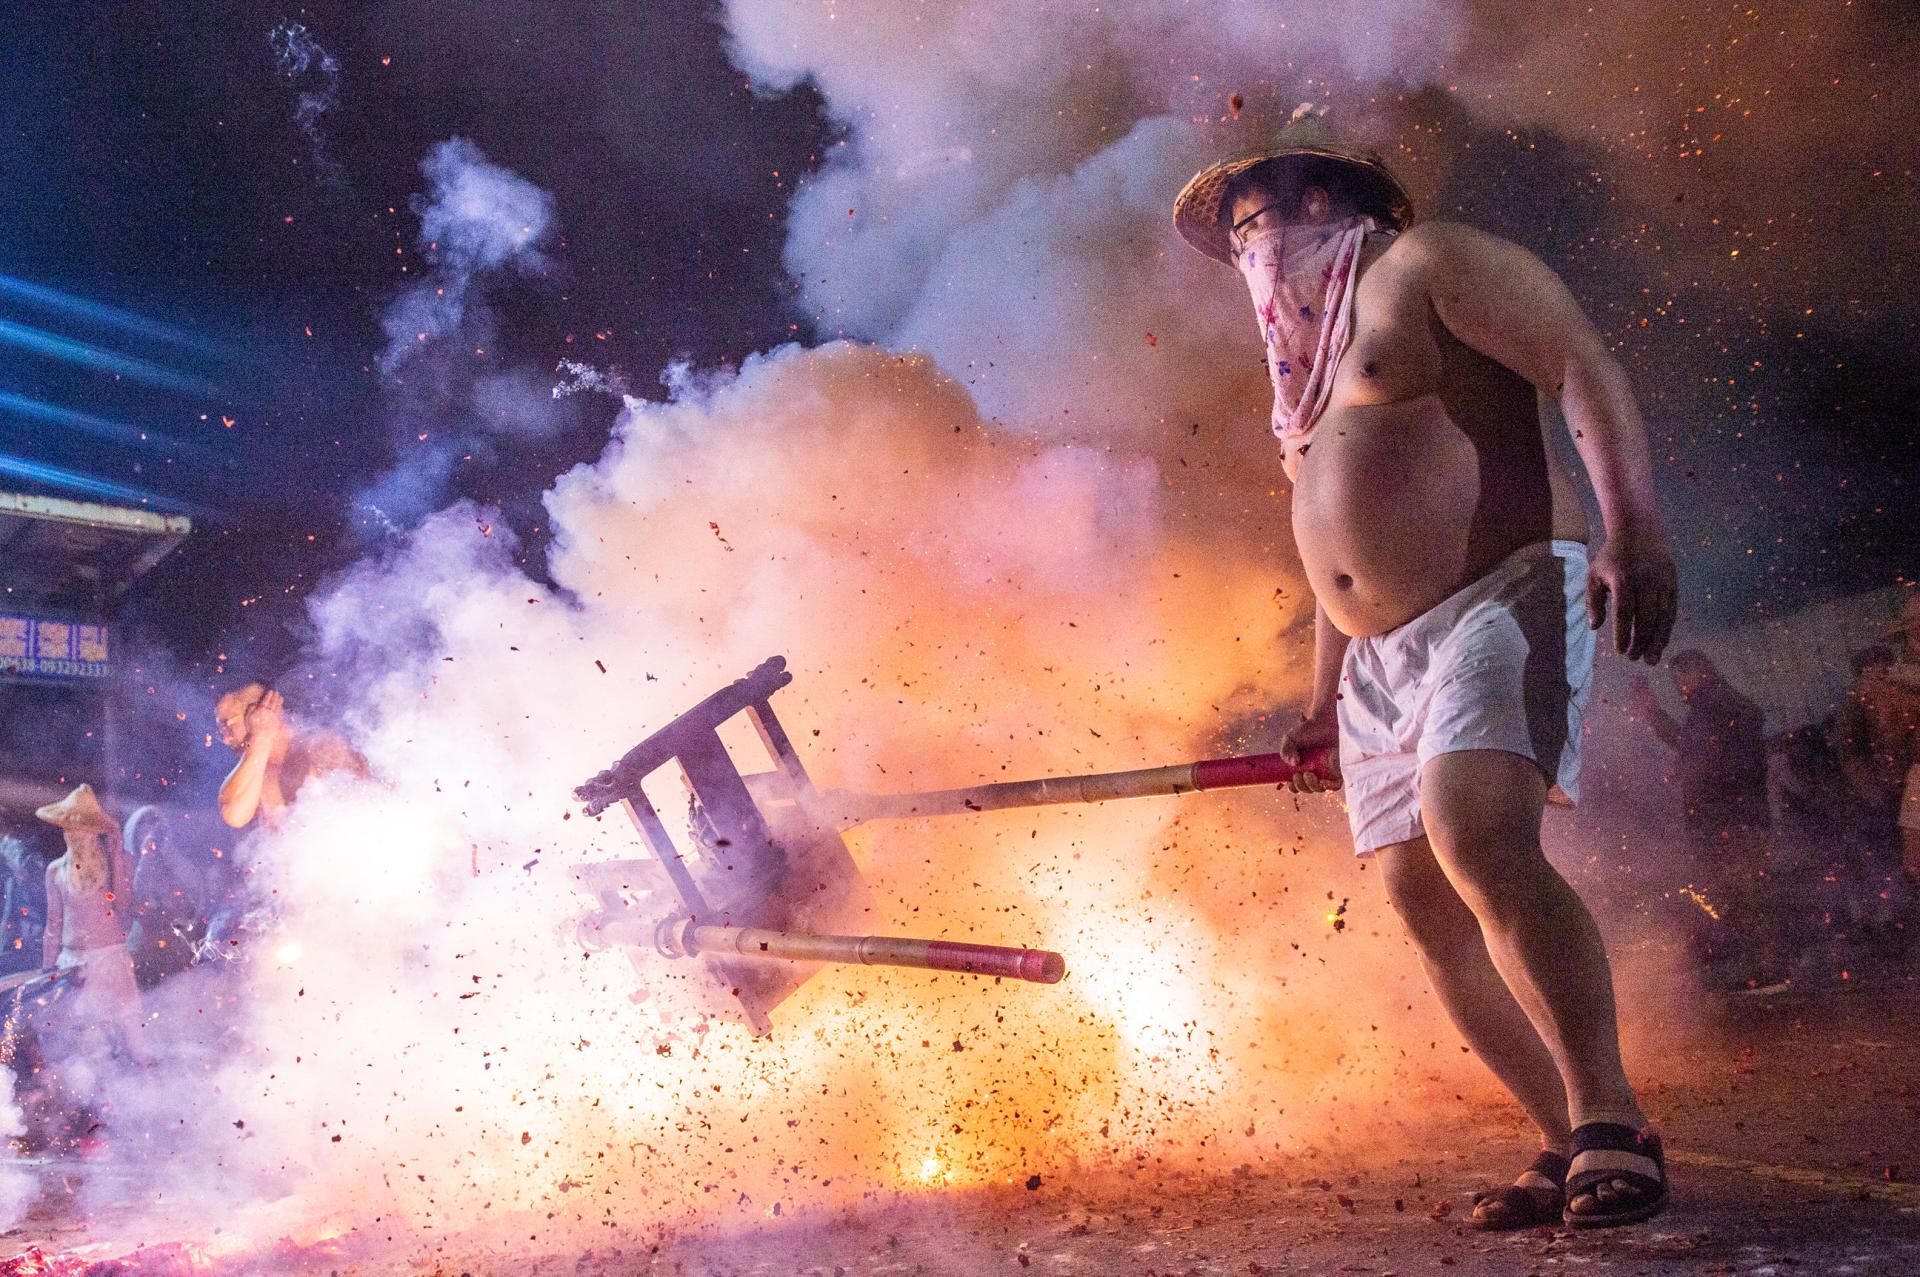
point(1699, 898)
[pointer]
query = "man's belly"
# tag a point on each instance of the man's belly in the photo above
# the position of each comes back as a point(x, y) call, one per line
point(1396, 506)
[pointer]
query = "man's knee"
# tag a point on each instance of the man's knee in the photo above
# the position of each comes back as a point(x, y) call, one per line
point(1482, 813)
point(1432, 911)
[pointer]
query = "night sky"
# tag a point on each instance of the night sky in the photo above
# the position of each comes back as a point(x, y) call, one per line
point(152, 158)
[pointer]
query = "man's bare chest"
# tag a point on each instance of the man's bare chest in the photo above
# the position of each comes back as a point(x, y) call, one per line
point(1395, 353)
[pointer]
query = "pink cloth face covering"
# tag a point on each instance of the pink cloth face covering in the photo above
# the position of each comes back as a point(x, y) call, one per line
point(1302, 279)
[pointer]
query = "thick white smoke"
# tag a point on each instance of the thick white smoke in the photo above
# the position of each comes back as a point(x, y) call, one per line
point(431, 1048)
point(1001, 198)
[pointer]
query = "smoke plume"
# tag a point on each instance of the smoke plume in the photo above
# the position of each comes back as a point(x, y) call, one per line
point(304, 62)
point(450, 389)
point(432, 1048)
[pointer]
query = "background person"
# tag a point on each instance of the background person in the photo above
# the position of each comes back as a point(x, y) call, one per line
point(1874, 743)
point(1719, 749)
point(169, 897)
point(275, 759)
point(1719, 746)
point(1867, 740)
point(1900, 696)
point(88, 889)
point(23, 904)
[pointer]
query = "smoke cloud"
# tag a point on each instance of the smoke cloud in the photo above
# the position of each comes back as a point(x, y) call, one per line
point(451, 390)
point(303, 61)
point(431, 1047)
point(1000, 201)
point(476, 219)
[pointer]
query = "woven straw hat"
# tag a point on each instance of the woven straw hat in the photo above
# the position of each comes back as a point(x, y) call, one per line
point(80, 810)
point(1196, 212)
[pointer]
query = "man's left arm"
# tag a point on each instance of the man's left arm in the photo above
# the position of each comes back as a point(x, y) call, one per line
point(1507, 304)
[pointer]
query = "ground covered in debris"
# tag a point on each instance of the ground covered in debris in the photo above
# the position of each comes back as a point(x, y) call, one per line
point(1796, 1148)
point(1795, 1137)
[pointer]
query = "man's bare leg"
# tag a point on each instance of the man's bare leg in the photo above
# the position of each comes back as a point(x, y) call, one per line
point(1452, 949)
point(1482, 812)
point(1447, 936)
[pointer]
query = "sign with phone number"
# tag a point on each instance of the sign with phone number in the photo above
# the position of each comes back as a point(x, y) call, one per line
point(36, 647)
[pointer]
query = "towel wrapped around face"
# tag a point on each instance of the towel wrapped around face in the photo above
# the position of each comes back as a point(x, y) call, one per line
point(1302, 277)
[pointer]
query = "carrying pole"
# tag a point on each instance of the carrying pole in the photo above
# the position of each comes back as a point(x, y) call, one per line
point(1037, 966)
point(848, 809)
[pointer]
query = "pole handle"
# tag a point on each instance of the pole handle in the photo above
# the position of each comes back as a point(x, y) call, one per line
point(1261, 769)
point(1037, 966)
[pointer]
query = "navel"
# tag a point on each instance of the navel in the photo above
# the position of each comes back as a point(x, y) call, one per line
point(1344, 581)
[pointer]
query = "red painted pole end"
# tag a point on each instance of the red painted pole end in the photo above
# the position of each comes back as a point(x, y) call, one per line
point(1038, 966)
point(1259, 769)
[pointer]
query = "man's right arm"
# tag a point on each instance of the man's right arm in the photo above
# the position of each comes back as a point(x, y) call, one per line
point(240, 791)
point(1320, 729)
point(1329, 653)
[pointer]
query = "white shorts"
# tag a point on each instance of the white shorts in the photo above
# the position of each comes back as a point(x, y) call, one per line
point(1505, 664)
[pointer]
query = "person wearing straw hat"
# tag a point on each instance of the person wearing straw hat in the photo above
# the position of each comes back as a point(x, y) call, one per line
point(1457, 601)
point(87, 891)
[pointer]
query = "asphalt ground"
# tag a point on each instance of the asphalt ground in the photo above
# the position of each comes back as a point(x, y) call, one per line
point(1792, 1123)
point(1793, 1130)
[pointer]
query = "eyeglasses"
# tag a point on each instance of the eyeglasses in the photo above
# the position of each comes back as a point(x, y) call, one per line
point(1239, 236)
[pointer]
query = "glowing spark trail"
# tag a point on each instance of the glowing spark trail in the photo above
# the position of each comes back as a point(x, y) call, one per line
point(1699, 898)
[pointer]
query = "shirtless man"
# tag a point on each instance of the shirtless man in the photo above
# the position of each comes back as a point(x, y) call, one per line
point(1454, 633)
point(275, 761)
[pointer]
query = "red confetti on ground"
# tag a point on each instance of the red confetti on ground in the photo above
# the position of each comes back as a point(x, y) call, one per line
point(36, 1263)
point(174, 1259)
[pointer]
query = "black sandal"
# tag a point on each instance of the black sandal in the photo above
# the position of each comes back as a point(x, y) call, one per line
point(1536, 1196)
point(1606, 1153)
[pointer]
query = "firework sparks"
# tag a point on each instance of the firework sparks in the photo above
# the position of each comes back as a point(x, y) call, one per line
point(1699, 898)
